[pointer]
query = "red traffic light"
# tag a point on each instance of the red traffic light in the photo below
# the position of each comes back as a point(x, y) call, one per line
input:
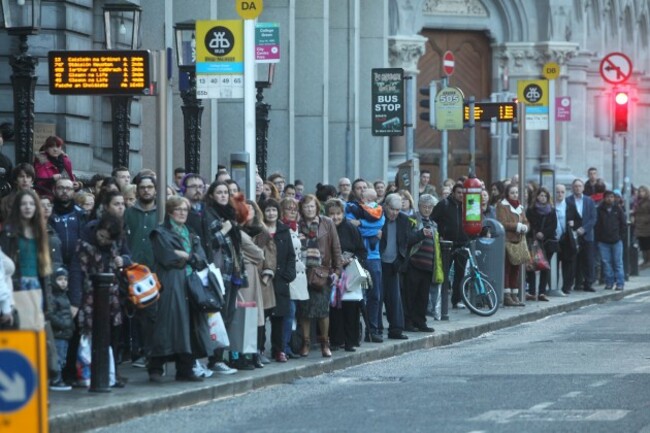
point(620, 111)
point(621, 98)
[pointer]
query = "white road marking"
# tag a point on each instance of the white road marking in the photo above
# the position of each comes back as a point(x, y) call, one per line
point(572, 394)
point(542, 406)
point(508, 416)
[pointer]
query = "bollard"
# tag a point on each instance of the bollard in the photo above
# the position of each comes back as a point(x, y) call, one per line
point(633, 253)
point(445, 251)
point(101, 337)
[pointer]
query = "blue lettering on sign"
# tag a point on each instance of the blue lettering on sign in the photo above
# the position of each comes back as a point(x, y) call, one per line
point(17, 381)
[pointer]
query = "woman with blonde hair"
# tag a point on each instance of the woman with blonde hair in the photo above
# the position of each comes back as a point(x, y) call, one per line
point(408, 205)
point(180, 333)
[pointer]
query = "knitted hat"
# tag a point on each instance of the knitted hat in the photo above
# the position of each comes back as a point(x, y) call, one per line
point(60, 272)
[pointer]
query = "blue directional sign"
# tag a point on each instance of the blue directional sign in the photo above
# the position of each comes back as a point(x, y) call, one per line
point(17, 381)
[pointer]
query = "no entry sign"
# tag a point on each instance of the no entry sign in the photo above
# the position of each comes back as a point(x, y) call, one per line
point(448, 63)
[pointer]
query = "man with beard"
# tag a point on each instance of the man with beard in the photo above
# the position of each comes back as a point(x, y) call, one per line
point(192, 188)
point(68, 220)
point(140, 219)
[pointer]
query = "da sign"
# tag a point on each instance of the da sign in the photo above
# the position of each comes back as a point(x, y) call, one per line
point(387, 101)
point(249, 9)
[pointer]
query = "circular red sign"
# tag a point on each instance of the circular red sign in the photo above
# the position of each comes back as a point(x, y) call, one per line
point(448, 63)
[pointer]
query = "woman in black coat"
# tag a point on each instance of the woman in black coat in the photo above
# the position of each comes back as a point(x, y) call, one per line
point(182, 335)
point(543, 223)
point(344, 315)
point(285, 273)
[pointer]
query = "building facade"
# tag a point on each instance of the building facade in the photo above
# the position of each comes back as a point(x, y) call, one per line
point(320, 123)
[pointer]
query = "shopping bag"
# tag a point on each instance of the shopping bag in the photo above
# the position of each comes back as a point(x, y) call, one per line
point(217, 274)
point(84, 359)
point(243, 328)
point(355, 272)
point(218, 333)
point(538, 260)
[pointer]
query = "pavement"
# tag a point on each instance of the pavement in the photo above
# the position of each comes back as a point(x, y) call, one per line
point(80, 410)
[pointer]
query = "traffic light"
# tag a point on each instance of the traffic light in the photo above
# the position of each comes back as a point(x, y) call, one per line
point(621, 102)
point(514, 126)
point(429, 102)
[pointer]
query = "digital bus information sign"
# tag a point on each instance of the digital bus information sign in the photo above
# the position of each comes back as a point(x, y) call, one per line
point(114, 72)
point(486, 111)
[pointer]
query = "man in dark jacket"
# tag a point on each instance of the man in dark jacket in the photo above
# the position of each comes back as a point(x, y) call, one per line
point(67, 221)
point(448, 215)
point(610, 229)
point(586, 256)
point(394, 251)
point(140, 220)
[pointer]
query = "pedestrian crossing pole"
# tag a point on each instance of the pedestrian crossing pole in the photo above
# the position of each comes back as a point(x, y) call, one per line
point(521, 118)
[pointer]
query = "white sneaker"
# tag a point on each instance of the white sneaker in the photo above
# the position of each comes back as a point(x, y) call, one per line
point(201, 370)
point(222, 368)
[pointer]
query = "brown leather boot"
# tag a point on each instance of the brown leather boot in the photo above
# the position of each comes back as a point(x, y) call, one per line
point(306, 345)
point(515, 298)
point(507, 300)
point(305, 324)
point(325, 347)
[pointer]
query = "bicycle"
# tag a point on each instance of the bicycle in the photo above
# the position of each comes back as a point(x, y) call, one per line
point(477, 292)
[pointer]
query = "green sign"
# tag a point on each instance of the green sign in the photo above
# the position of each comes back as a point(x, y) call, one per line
point(387, 101)
point(449, 108)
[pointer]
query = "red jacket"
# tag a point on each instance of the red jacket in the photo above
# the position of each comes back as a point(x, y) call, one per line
point(45, 170)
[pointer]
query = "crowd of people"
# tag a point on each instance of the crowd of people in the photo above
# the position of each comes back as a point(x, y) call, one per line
point(289, 251)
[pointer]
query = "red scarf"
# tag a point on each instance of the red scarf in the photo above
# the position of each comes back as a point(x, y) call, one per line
point(293, 225)
point(513, 203)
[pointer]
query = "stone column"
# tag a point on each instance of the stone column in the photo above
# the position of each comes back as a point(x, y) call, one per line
point(404, 52)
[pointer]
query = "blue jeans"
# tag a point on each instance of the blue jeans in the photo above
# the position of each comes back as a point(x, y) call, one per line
point(374, 296)
point(288, 326)
point(612, 260)
point(62, 351)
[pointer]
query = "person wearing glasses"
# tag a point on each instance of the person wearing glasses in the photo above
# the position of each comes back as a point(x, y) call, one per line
point(345, 186)
point(192, 188)
point(139, 220)
point(180, 333)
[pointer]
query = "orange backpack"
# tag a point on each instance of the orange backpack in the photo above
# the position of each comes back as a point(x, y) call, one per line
point(143, 285)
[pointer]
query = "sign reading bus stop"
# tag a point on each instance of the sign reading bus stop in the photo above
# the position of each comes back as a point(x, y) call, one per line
point(387, 101)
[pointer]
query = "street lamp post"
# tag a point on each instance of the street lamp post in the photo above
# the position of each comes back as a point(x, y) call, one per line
point(262, 122)
point(118, 17)
point(192, 108)
point(23, 18)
